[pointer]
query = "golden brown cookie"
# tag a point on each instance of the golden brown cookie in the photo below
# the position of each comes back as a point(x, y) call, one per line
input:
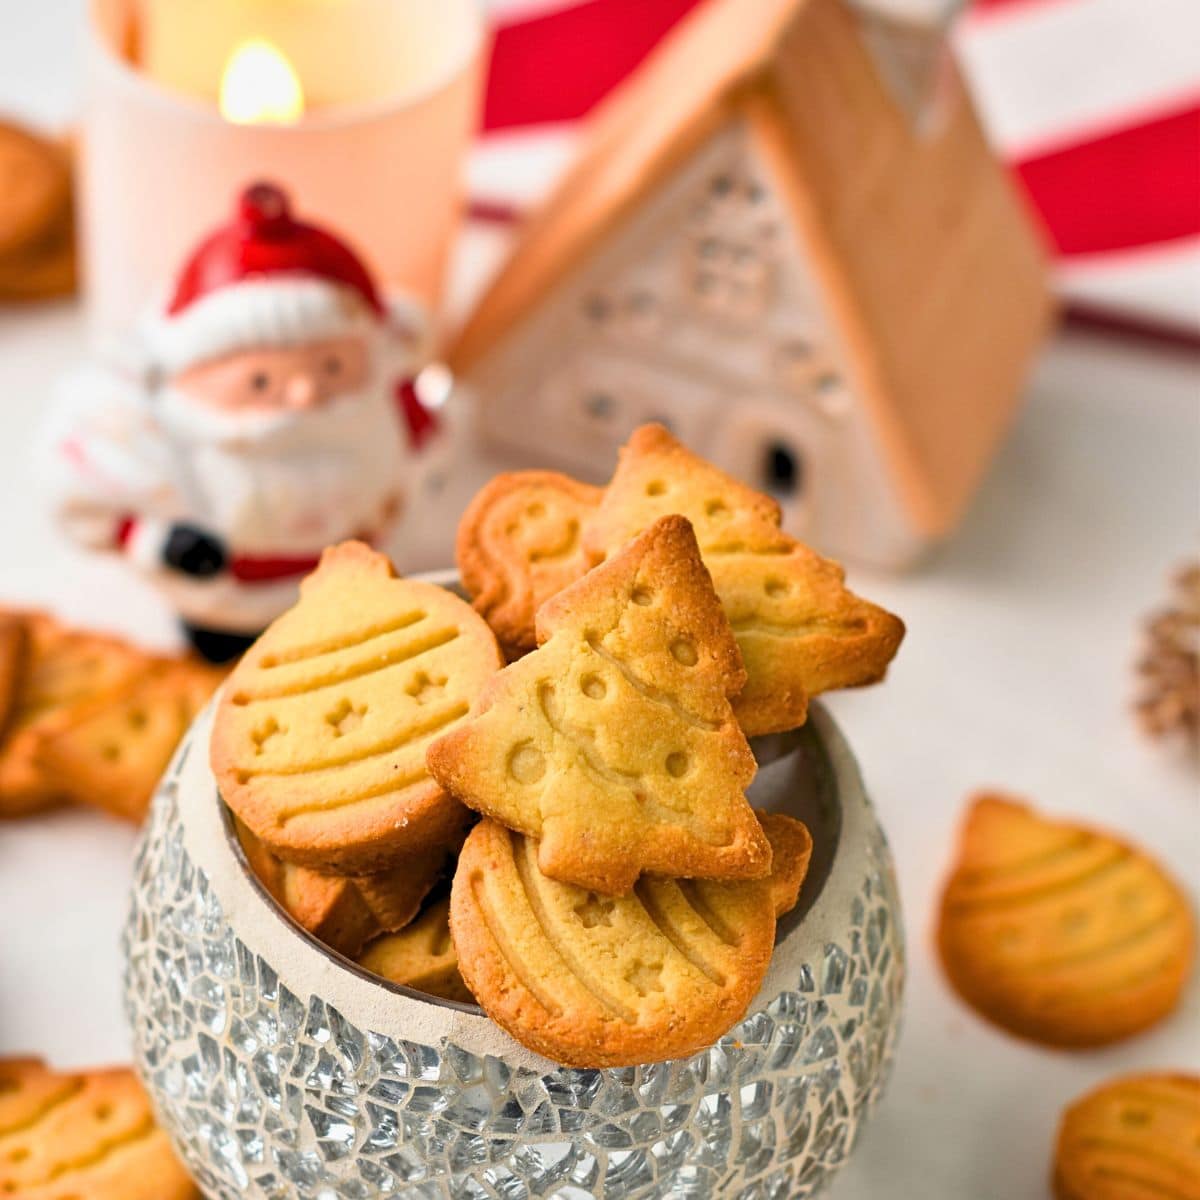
point(1060, 933)
point(421, 956)
point(614, 743)
point(87, 1136)
point(66, 671)
point(791, 851)
point(519, 542)
point(344, 911)
point(320, 734)
point(35, 186)
point(800, 631)
point(1135, 1138)
point(43, 269)
point(14, 660)
point(112, 752)
point(591, 980)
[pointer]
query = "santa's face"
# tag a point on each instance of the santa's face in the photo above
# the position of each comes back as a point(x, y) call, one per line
point(284, 450)
point(278, 379)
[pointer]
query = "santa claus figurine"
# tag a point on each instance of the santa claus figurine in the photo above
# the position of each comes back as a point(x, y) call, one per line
point(268, 418)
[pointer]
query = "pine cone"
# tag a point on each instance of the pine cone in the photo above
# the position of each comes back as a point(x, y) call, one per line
point(1168, 704)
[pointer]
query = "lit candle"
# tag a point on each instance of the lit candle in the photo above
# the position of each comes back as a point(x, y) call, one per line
point(258, 86)
point(363, 109)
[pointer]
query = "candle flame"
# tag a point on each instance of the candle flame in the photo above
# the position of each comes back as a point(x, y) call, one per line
point(259, 86)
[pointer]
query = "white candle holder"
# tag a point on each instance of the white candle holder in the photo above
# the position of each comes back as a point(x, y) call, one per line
point(281, 1069)
point(161, 167)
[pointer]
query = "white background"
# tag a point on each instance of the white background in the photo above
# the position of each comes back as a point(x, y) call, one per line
point(1016, 673)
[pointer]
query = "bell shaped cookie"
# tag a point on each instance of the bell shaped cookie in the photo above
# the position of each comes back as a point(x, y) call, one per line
point(1060, 933)
point(319, 740)
point(591, 980)
point(799, 629)
point(613, 744)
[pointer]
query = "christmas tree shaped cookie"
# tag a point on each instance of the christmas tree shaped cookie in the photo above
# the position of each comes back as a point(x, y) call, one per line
point(799, 629)
point(614, 743)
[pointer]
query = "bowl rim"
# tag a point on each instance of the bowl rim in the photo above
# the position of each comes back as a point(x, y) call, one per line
point(307, 967)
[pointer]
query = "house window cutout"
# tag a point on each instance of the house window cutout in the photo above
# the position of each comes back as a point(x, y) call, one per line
point(727, 279)
point(729, 261)
point(599, 405)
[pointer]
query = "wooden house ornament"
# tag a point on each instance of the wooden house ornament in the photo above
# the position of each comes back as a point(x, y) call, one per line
point(762, 247)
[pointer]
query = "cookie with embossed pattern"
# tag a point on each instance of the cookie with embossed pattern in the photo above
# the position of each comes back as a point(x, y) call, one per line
point(1061, 933)
point(421, 955)
point(86, 1136)
point(345, 911)
point(1133, 1138)
point(64, 672)
point(595, 981)
point(112, 751)
point(613, 743)
point(591, 980)
point(519, 542)
point(799, 629)
point(319, 739)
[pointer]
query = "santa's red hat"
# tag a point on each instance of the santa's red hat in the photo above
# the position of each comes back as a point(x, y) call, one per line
point(263, 279)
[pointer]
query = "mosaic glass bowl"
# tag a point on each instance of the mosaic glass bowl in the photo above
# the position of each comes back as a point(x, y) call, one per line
point(283, 1070)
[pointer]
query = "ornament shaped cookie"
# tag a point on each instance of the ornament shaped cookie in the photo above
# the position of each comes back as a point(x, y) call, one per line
point(345, 911)
point(799, 629)
point(591, 980)
point(613, 743)
point(1060, 933)
point(319, 740)
point(1134, 1138)
point(89, 1136)
point(519, 542)
point(113, 751)
point(421, 956)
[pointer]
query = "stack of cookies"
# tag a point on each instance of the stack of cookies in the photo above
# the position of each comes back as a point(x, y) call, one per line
point(37, 228)
point(88, 719)
point(617, 903)
point(319, 748)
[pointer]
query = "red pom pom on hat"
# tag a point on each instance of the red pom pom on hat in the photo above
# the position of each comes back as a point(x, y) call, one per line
point(263, 278)
point(264, 239)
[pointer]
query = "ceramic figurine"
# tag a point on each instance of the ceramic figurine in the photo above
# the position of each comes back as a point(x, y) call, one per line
point(266, 415)
point(811, 269)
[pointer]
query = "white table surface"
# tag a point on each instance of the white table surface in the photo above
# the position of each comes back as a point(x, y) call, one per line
point(1016, 673)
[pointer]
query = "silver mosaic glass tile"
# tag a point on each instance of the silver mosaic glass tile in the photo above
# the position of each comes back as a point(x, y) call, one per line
point(272, 1095)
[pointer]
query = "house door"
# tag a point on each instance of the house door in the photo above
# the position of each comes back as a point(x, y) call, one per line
point(775, 445)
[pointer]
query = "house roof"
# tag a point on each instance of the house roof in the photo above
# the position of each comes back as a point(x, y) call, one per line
point(933, 274)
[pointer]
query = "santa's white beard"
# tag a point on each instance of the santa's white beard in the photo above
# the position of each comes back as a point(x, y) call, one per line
point(286, 482)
